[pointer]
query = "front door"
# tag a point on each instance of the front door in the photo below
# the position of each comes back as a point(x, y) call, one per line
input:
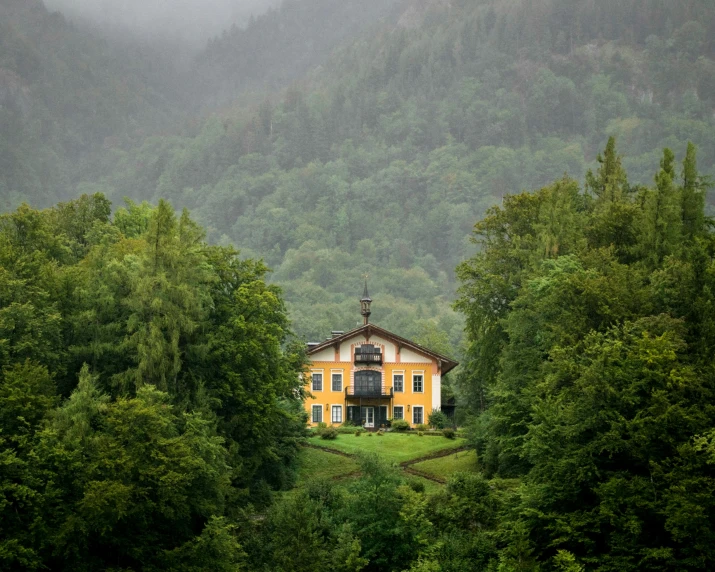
point(369, 417)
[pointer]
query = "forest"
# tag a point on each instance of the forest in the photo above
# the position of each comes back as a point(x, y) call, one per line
point(524, 182)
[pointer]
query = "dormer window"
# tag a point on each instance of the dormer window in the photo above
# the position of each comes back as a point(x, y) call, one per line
point(368, 353)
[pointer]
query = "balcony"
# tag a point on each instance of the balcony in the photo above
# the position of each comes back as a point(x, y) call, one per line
point(368, 390)
point(368, 354)
point(369, 359)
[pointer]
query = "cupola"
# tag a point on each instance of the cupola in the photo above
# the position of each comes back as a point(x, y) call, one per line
point(365, 302)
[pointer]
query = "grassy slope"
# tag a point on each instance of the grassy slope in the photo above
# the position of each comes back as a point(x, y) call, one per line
point(316, 464)
point(445, 467)
point(391, 446)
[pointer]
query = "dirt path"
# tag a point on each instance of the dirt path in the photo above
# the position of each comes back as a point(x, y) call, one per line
point(406, 466)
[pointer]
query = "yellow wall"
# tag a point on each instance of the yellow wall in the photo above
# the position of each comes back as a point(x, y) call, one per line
point(405, 398)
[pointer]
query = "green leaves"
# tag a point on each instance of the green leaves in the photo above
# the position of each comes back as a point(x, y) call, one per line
point(601, 372)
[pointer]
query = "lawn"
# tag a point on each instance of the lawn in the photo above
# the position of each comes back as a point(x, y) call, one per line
point(394, 447)
point(445, 467)
point(314, 464)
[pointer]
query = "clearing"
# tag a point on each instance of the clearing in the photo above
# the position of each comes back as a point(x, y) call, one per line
point(393, 447)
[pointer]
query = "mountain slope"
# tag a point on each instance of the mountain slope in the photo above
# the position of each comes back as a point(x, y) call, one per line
point(282, 45)
point(63, 94)
point(383, 158)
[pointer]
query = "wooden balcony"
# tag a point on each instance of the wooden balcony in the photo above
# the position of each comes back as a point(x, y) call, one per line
point(368, 359)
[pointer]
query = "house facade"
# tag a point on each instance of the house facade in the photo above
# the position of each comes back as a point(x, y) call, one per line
point(370, 375)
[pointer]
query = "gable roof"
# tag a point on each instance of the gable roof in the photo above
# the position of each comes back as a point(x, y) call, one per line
point(368, 330)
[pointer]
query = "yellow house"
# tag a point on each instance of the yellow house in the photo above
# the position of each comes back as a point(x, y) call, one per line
point(369, 375)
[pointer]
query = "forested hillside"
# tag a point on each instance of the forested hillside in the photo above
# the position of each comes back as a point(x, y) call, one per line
point(65, 95)
point(378, 161)
point(381, 160)
point(281, 46)
point(151, 400)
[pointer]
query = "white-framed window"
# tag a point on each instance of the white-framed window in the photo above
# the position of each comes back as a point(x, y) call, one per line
point(337, 380)
point(336, 414)
point(317, 377)
point(398, 381)
point(418, 383)
point(398, 412)
point(317, 413)
point(418, 415)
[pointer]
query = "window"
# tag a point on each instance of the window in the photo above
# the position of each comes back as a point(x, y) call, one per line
point(337, 382)
point(398, 382)
point(417, 383)
point(337, 416)
point(317, 413)
point(398, 412)
point(317, 381)
point(417, 416)
point(368, 383)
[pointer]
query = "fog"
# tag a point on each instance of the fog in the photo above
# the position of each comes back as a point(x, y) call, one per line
point(192, 21)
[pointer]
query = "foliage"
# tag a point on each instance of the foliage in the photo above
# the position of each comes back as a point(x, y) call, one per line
point(449, 433)
point(594, 311)
point(438, 419)
point(327, 433)
point(148, 391)
point(400, 425)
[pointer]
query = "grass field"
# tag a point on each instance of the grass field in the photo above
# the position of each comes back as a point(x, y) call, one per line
point(445, 467)
point(316, 464)
point(394, 447)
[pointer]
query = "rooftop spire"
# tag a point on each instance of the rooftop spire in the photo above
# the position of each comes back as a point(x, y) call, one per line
point(365, 304)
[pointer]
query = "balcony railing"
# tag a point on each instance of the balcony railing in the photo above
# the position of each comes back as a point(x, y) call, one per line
point(368, 358)
point(368, 390)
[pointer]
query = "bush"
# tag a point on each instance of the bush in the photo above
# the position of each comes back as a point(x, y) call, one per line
point(343, 430)
point(422, 427)
point(420, 434)
point(438, 419)
point(322, 425)
point(358, 433)
point(400, 425)
point(417, 486)
point(449, 433)
point(327, 432)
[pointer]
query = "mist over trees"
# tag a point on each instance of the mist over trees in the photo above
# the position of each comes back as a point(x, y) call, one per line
point(151, 413)
point(187, 21)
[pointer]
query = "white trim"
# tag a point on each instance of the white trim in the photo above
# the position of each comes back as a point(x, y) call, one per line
point(342, 380)
point(312, 409)
point(342, 413)
point(402, 373)
point(414, 407)
point(393, 411)
point(436, 391)
point(371, 408)
point(421, 373)
point(322, 376)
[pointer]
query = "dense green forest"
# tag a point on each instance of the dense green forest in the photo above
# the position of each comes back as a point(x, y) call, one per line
point(148, 390)
point(379, 160)
point(151, 401)
point(151, 413)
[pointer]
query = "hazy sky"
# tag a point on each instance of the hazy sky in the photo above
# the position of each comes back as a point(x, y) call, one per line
point(192, 20)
